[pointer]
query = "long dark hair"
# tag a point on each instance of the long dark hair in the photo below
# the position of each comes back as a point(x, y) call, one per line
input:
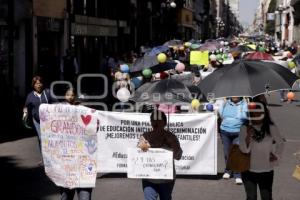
point(267, 121)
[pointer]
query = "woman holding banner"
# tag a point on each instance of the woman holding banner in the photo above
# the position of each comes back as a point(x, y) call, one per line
point(66, 193)
point(159, 138)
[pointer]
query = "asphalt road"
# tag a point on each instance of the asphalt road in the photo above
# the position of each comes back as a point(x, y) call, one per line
point(22, 179)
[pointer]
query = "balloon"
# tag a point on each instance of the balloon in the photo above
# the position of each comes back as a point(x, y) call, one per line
point(123, 94)
point(118, 75)
point(291, 65)
point(162, 58)
point(195, 104)
point(180, 67)
point(222, 43)
point(124, 68)
point(136, 82)
point(147, 73)
point(226, 43)
point(212, 57)
point(219, 57)
point(251, 105)
point(261, 49)
point(209, 107)
point(187, 44)
point(290, 96)
point(225, 56)
point(181, 48)
point(163, 75)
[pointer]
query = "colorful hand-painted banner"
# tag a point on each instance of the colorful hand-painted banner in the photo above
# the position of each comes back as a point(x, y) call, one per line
point(197, 134)
point(76, 140)
point(69, 144)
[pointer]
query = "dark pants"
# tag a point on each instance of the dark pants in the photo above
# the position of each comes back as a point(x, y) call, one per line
point(82, 193)
point(153, 190)
point(263, 180)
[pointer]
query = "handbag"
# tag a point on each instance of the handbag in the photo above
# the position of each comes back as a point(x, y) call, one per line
point(238, 161)
point(27, 122)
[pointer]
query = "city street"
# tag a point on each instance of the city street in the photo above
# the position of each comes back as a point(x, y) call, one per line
point(23, 179)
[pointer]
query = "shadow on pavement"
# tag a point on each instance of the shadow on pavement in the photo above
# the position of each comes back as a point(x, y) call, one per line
point(24, 183)
point(274, 105)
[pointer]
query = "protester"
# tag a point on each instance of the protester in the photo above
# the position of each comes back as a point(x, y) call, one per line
point(34, 99)
point(260, 137)
point(66, 193)
point(159, 138)
point(233, 115)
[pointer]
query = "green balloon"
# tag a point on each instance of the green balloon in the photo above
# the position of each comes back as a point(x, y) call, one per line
point(262, 49)
point(147, 73)
point(225, 56)
point(219, 57)
point(291, 65)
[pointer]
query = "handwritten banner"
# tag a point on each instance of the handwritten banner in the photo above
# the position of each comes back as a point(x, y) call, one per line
point(197, 134)
point(156, 163)
point(69, 144)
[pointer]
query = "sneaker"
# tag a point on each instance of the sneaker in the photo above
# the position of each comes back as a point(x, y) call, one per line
point(226, 176)
point(238, 181)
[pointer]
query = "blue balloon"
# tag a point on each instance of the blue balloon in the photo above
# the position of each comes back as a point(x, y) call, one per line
point(124, 68)
point(136, 82)
point(210, 107)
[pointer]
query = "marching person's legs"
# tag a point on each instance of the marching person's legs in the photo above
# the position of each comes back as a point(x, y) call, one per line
point(150, 190)
point(226, 140)
point(84, 193)
point(165, 190)
point(236, 175)
point(265, 182)
point(250, 185)
point(67, 194)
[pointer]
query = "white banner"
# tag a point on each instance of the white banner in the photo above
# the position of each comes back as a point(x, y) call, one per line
point(69, 144)
point(197, 134)
point(156, 163)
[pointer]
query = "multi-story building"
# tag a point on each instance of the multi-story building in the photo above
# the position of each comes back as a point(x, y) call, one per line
point(296, 6)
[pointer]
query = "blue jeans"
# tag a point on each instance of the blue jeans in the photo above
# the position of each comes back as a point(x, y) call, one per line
point(153, 190)
point(228, 139)
point(83, 193)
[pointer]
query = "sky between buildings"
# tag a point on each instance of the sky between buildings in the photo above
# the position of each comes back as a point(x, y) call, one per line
point(247, 11)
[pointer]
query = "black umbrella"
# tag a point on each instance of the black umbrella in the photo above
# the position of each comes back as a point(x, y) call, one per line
point(247, 79)
point(171, 43)
point(152, 63)
point(167, 91)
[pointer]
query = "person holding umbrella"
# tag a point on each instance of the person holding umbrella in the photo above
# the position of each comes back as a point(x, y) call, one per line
point(159, 138)
point(233, 115)
point(260, 137)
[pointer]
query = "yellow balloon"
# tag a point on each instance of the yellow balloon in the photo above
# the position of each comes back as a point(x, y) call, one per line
point(187, 44)
point(195, 103)
point(162, 58)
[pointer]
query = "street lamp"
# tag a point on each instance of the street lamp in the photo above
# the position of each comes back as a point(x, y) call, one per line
point(168, 4)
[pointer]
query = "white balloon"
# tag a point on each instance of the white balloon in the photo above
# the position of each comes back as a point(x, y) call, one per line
point(213, 57)
point(123, 94)
point(222, 43)
point(173, 4)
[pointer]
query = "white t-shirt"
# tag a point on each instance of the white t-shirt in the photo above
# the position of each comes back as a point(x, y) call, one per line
point(260, 151)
